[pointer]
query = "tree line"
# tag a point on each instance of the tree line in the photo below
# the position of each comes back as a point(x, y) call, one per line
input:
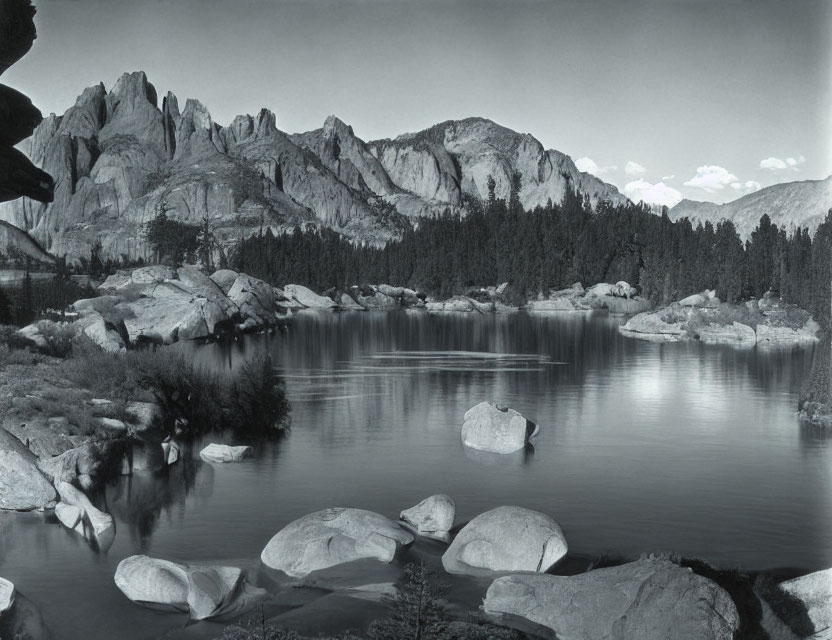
point(554, 246)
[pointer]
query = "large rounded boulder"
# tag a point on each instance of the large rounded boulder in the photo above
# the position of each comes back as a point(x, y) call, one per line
point(433, 517)
point(23, 487)
point(506, 539)
point(202, 591)
point(649, 600)
point(331, 537)
point(77, 513)
point(814, 590)
point(497, 429)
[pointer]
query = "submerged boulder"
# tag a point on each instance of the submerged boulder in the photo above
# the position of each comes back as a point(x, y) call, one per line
point(488, 427)
point(506, 539)
point(23, 487)
point(649, 600)
point(650, 326)
point(7, 593)
point(203, 591)
point(332, 537)
point(77, 513)
point(815, 592)
point(225, 453)
point(432, 517)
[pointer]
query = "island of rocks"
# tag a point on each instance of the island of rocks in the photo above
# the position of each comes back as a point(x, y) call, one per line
point(702, 316)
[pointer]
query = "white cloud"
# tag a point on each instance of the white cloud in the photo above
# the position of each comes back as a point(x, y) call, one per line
point(748, 187)
point(772, 164)
point(668, 178)
point(659, 193)
point(777, 164)
point(588, 165)
point(634, 169)
point(711, 178)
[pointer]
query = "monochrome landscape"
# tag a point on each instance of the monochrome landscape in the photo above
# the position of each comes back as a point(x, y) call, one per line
point(474, 359)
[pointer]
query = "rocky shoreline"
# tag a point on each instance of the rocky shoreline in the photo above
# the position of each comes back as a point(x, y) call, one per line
point(765, 322)
point(162, 305)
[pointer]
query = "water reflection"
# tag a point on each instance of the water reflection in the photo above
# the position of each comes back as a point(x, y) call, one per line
point(643, 447)
point(139, 500)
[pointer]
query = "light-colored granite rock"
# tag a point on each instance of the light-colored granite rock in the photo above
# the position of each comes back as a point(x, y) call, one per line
point(433, 517)
point(332, 537)
point(815, 592)
point(497, 430)
point(644, 600)
point(23, 486)
point(225, 453)
point(506, 539)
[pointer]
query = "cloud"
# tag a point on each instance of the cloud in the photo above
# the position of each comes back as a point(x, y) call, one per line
point(749, 186)
point(711, 178)
point(659, 193)
point(667, 178)
point(588, 165)
point(634, 169)
point(777, 164)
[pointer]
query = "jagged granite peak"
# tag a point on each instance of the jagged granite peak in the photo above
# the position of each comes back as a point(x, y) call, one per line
point(132, 111)
point(348, 157)
point(196, 133)
point(803, 203)
point(89, 114)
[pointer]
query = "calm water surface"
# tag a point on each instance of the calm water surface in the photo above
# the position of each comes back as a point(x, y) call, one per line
point(689, 448)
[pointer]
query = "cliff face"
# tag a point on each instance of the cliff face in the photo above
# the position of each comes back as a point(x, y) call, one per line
point(119, 157)
point(789, 204)
point(456, 157)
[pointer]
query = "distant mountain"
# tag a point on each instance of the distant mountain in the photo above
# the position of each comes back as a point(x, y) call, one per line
point(789, 204)
point(118, 158)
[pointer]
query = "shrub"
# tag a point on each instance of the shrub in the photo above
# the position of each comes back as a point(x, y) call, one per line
point(254, 403)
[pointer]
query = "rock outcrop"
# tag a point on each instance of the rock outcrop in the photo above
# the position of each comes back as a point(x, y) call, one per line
point(433, 517)
point(815, 592)
point(202, 591)
point(19, 177)
point(23, 487)
point(487, 427)
point(648, 600)
point(620, 297)
point(332, 537)
point(506, 539)
point(457, 157)
point(765, 322)
point(225, 453)
point(77, 513)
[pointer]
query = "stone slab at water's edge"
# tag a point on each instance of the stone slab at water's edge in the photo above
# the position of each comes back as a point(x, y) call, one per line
point(331, 537)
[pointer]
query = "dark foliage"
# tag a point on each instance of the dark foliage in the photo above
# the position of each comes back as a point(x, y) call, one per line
point(554, 246)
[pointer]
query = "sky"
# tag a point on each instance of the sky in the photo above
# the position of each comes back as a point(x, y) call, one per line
point(702, 99)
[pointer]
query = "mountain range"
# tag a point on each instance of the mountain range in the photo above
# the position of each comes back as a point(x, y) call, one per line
point(120, 157)
point(788, 204)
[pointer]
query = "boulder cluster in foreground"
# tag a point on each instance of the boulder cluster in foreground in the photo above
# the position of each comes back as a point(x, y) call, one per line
point(650, 598)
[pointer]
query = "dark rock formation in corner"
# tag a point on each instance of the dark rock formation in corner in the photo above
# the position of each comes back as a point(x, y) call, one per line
point(18, 119)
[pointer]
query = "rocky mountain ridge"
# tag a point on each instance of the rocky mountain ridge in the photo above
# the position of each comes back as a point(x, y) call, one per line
point(789, 204)
point(119, 157)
